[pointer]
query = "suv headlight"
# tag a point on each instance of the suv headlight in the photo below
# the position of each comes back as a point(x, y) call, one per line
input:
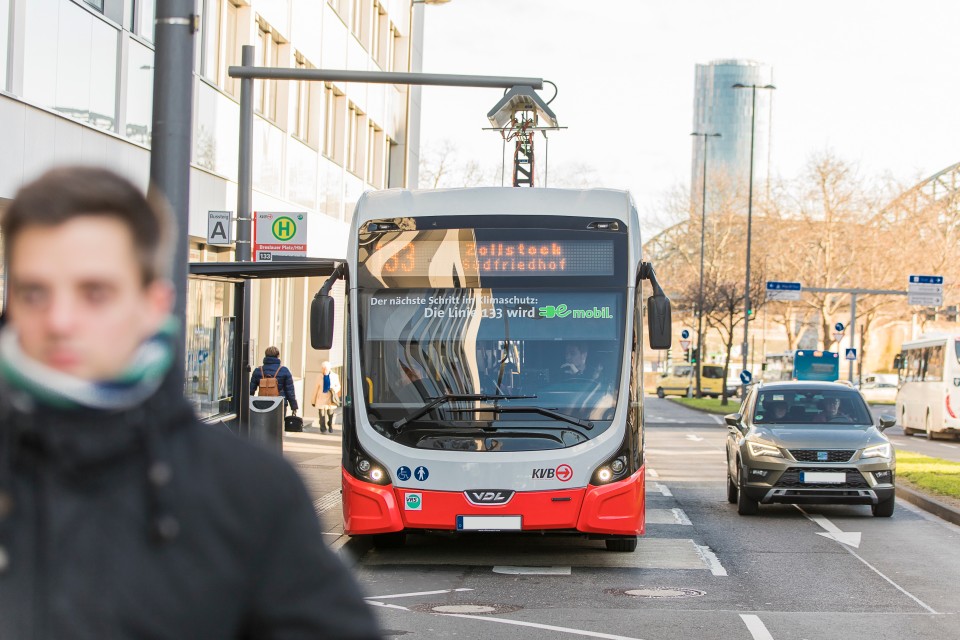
point(760, 449)
point(877, 451)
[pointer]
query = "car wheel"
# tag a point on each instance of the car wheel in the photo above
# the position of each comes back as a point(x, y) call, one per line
point(732, 492)
point(883, 509)
point(746, 506)
point(660, 393)
point(390, 540)
point(715, 395)
point(622, 545)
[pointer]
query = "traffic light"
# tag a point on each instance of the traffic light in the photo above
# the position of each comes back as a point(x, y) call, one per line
point(669, 356)
point(695, 355)
point(750, 314)
point(686, 355)
point(953, 313)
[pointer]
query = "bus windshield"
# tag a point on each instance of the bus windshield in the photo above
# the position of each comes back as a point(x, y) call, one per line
point(562, 348)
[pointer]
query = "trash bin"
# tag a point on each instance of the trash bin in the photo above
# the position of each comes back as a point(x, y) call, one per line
point(266, 421)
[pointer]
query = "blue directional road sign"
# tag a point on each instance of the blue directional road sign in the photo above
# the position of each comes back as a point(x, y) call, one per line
point(926, 279)
point(851, 354)
point(925, 290)
point(783, 290)
point(746, 377)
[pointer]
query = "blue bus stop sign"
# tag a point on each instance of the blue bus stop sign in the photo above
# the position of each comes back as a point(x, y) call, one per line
point(746, 377)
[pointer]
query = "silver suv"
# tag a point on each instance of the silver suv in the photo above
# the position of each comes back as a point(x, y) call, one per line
point(808, 442)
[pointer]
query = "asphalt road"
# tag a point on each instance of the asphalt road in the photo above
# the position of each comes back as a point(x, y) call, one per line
point(701, 571)
point(946, 449)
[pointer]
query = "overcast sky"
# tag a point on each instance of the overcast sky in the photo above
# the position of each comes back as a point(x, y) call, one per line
point(875, 81)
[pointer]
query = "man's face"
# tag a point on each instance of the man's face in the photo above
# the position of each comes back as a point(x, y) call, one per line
point(77, 297)
point(832, 406)
point(575, 356)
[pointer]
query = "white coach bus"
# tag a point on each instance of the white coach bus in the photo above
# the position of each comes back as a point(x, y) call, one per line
point(928, 400)
point(493, 374)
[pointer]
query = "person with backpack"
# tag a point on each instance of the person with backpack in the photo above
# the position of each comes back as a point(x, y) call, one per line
point(274, 379)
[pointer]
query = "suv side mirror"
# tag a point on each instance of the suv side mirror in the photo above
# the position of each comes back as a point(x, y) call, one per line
point(733, 419)
point(321, 322)
point(887, 421)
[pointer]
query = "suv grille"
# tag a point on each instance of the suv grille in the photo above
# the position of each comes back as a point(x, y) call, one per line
point(791, 479)
point(811, 455)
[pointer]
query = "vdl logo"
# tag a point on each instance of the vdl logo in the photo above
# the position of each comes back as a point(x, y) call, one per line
point(284, 228)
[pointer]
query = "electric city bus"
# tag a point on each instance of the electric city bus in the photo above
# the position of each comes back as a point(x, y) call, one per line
point(809, 364)
point(928, 400)
point(493, 374)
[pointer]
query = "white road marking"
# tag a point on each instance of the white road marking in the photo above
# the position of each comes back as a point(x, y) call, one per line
point(652, 473)
point(952, 446)
point(694, 437)
point(387, 606)
point(533, 571)
point(712, 560)
point(662, 488)
point(537, 625)
point(756, 627)
point(833, 532)
point(880, 573)
point(681, 517)
point(415, 594)
point(716, 418)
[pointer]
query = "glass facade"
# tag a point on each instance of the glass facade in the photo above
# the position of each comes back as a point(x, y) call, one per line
point(139, 93)
point(719, 108)
point(4, 40)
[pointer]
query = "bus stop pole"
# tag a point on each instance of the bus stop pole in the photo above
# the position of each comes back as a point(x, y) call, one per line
point(244, 246)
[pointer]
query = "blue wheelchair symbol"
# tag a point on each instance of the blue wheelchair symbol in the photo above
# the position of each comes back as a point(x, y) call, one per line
point(403, 473)
point(421, 473)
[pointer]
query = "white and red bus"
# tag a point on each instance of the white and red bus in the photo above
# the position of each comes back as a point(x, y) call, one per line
point(928, 400)
point(493, 374)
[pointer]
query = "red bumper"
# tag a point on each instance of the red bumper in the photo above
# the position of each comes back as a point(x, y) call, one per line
point(616, 508)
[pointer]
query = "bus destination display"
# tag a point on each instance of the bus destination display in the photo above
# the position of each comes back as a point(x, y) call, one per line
point(497, 257)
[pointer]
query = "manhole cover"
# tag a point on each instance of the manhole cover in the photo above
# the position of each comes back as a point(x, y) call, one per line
point(658, 592)
point(468, 608)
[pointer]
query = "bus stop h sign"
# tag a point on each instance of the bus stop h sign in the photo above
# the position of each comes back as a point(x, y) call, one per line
point(278, 235)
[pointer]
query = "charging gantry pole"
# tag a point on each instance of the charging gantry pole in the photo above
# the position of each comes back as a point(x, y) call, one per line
point(247, 73)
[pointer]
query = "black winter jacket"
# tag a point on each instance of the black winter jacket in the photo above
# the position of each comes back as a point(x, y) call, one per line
point(273, 368)
point(148, 524)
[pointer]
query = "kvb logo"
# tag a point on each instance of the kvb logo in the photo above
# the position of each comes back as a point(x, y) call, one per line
point(563, 473)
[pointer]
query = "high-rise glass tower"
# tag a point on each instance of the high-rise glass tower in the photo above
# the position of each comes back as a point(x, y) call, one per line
point(719, 108)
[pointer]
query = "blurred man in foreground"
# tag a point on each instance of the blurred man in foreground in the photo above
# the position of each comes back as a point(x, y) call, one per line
point(121, 516)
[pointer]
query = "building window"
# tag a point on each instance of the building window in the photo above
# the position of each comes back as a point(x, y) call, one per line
point(4, 41)
point(354, 139)
point(210, 337)
point(359, 18)
point(333, 108)
point(96, 4)
point(380, 27)
point(268, 55)
point(219, 44)
point(391, 53)
point(139, 93)
point(375, 155)
point(143, 17)
point(303, 89)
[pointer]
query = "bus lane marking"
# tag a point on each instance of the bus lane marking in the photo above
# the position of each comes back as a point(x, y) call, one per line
point(545, 627)
point(756, 627)
point(416, 594)
point(711, 560)
point(873, 568)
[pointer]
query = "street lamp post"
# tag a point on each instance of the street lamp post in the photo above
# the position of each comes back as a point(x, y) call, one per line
point(746, 291)
point(703, 222)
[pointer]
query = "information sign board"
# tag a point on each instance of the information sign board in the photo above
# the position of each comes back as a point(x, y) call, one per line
point(783, 290)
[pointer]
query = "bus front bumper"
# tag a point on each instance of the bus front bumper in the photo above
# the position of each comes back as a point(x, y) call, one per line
point(612, 509)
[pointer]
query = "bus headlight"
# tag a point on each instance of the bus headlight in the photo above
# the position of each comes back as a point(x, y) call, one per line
point(611, 471)
point(876, 451)
point(365, 467)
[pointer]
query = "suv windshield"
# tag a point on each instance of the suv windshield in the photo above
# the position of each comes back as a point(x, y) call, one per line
point(796, 406)
point(560, 349)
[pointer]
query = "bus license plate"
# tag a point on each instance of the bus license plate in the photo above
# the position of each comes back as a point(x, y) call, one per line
point(488, 523)
point(822, 477)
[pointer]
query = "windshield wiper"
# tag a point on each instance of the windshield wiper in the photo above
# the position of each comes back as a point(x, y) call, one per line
point(550, 413)
point(454, 397)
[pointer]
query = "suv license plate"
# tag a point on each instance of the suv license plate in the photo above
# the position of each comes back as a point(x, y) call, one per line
point(488, 523)
point(822, 477)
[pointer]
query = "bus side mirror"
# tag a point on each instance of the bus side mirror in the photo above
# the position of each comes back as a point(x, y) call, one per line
point(659, 322)
point(321, 322)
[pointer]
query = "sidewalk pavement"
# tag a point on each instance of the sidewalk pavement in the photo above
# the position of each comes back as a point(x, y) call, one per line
point(317, 457)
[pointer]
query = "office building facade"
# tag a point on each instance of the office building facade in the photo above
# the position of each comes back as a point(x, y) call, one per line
point(76, 85)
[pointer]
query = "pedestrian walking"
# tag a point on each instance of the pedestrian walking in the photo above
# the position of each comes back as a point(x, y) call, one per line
point(326, 396)
point(121, 515)
point(272, 379)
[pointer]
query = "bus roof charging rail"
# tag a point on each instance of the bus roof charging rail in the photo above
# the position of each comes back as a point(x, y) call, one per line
point(322, 312)
point(659, 323)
